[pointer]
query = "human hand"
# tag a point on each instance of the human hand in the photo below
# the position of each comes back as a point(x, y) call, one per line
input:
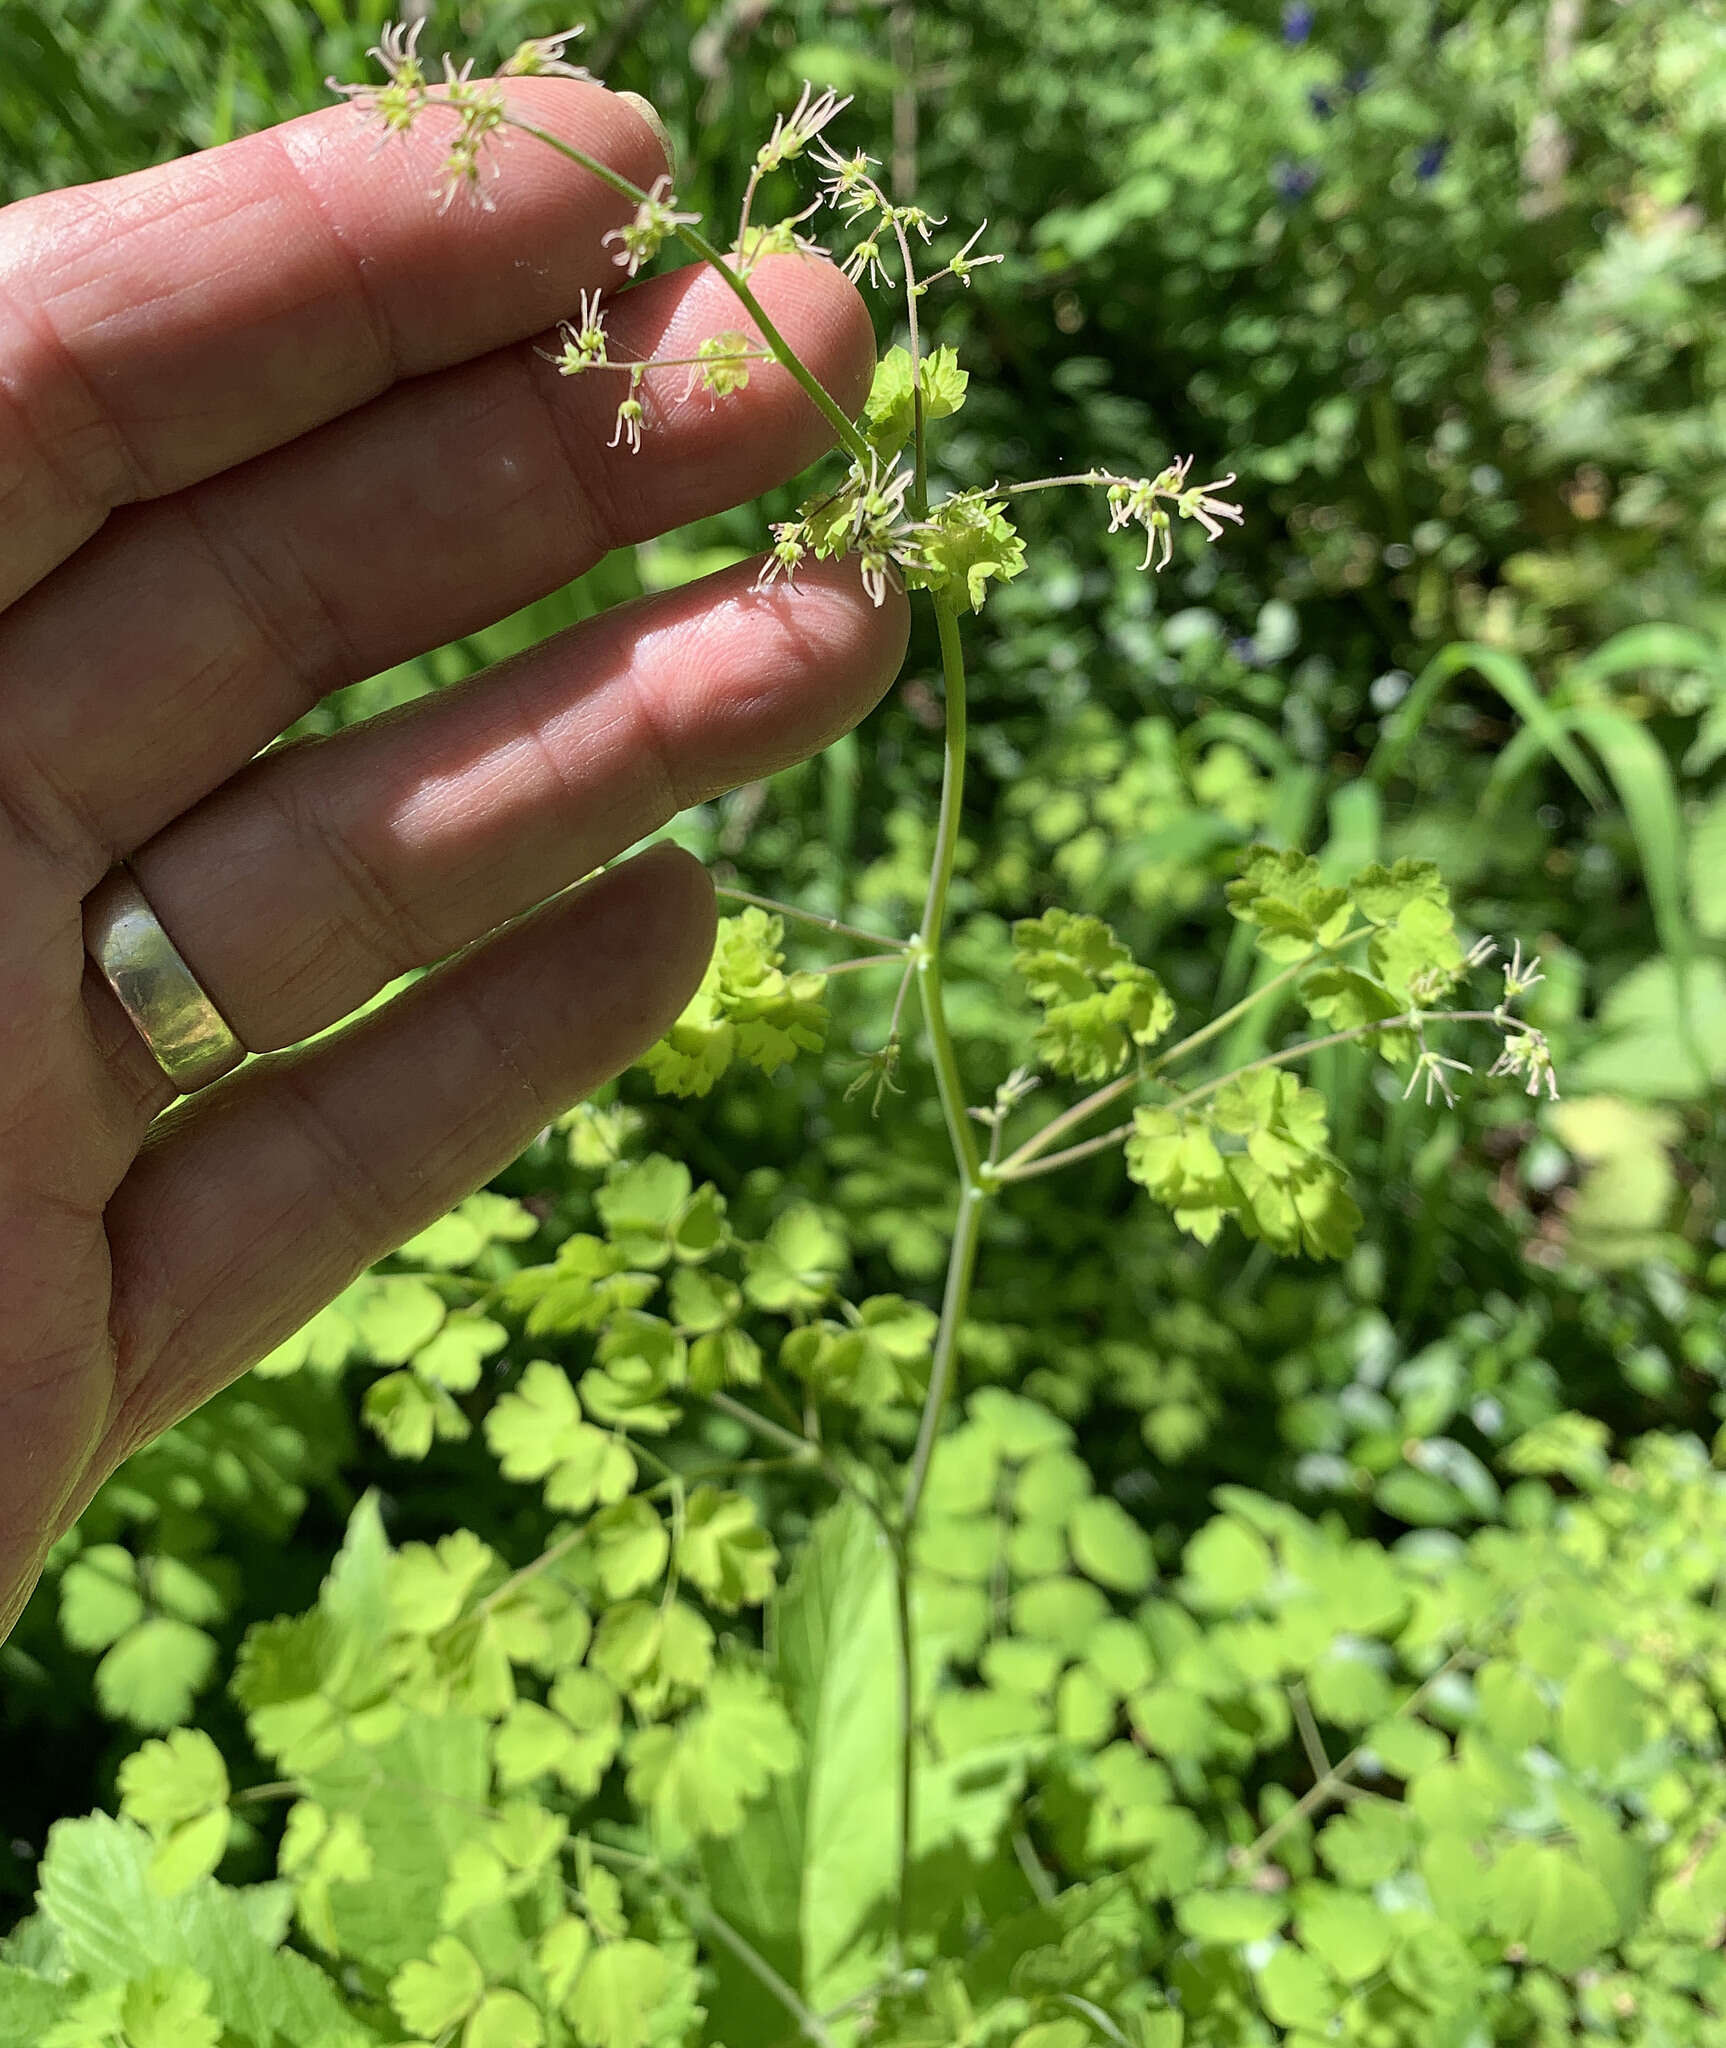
point(270, 423)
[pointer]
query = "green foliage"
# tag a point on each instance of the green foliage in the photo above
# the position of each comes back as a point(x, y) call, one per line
point(747, 1008)
point(1097, 1002)
point(890, 410)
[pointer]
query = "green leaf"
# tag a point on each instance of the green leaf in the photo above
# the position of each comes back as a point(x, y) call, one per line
point(116, 1927)
point(1018, 1428)
point(806, 1876)
point(410, 1415)
point(1368, 1843)
point(1514, 682)
point(1432, 1964)
point(889, 415)
point(1660, 1035)
point(967, 543)
point(1347, 1686)
point(536, 1432)
point(165, 1783)
point(162, 2009)
point(563, 1949)
point(630, 1547)
point(1227, 1566)
point(438, 1990)
point(617, 1994)
point(1097, 1002)
point(99, 1597)
point(415, 1798)
point(699, 1778)
point(1109, 1546)
point(1706, 861)
point(640, 1205)
point(394, 1314)
point(1351, 1934)
point(1602, 1718)
point(1297, 1990)
point(724, 1550)
point(747, 1007)
point(798, 1266)
point(503, 2019)
point(455, 1357)
point(1286, 898)
point(1230, 1916)
point(154, 1672)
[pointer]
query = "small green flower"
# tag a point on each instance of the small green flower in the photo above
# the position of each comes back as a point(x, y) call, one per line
point(793, 132)
point(656, 220)
point(584, 340)
point(542, 57)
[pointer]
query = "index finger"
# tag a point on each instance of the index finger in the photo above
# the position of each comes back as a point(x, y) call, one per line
point(160, 327)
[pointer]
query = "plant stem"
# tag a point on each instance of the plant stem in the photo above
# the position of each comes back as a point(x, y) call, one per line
point(1095, 2014)
point(973, 1192)
point(814, 917)
point(1070, 1157)
point(799, 1446)
point(1026, 1164)
point(1089, 477)
point(1335, 1780)
point(804, 1451)
point(1410, 1020)
point(810, 2024)
point(698, 245)
point(931, 936)
point(868, 960)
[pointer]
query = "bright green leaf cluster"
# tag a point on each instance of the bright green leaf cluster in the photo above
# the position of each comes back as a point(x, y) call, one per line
point(966, 543)
point(747, 1007)
point(888, 417)
point(1098, 1003)
point(1258, 1150)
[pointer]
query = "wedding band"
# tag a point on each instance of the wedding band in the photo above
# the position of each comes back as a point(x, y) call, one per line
point(192, 1041)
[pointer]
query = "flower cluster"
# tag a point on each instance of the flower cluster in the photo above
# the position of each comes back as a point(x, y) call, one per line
point(584, 340)
point(1146, 502)
point(866, 516)
point(394, 104)
point(656, 221)
point(542, 57)
point(794, 132)
point(721, 364)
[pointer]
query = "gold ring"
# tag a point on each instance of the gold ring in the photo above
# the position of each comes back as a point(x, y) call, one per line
point(192, 1041)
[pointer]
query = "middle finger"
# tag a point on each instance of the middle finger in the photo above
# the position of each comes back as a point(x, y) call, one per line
point(191, 631)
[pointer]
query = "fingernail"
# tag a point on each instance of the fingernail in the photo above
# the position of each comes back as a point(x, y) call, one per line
point(651, 115)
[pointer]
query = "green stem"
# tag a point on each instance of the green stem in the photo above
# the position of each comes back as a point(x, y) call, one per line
point(1025, 1165)
point(930, 940)
point(814, 917)
point(698, 245)
point(1012, 1166)
point(804, 1451)
point(810, 2024)
point(928, 953)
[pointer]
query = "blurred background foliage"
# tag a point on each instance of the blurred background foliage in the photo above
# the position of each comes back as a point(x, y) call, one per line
point(1441, 283)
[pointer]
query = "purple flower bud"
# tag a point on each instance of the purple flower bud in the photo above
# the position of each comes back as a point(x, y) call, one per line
point(1430, 161)
point(1321, 103)
point(1293, 181)
point(1297, 21)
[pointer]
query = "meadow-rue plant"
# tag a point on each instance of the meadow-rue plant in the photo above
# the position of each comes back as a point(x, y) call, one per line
point(515, 1906)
